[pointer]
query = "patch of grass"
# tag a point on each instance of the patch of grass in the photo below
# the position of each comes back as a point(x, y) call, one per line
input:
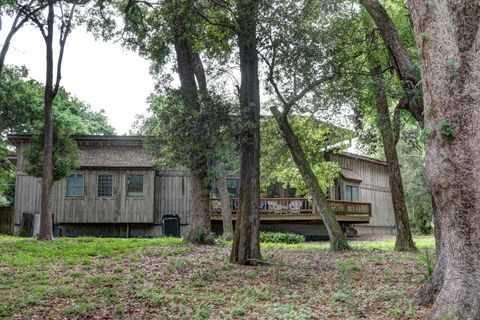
point(155, 298)
point(202, 312)
point(288, 311)
point(237, 311)
point(79, 308)
point(422, 242)
point(68, 292)
point(179, 264)
point(349, 265)
point(18, 252)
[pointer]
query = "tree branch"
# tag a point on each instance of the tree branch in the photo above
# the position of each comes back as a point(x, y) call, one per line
point(64, 32)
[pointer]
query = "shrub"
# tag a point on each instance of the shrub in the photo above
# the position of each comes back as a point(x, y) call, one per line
point(279, 237)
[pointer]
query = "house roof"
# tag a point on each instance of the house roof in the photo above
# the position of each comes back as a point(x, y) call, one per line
point(106, 151)
point(115, 156)
point(359, 157)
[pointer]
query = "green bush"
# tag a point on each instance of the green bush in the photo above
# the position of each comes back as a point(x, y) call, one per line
point(279, 237)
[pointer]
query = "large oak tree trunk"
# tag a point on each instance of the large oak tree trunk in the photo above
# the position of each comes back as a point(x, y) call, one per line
point(225, 205)
point(404, 241)
point(246, 242)
point(428, 291)
point(200, 225)
point(46, 221)
point(338, 241)
point(448, 42)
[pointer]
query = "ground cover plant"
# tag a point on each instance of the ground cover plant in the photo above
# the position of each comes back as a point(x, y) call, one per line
point(165, 278)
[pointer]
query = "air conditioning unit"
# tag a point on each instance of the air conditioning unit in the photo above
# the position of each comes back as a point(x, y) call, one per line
point(171, 225)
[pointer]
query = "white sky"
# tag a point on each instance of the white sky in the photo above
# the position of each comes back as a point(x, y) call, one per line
point(102, 74)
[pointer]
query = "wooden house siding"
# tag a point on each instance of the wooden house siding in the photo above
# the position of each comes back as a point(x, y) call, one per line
point(89, 208)
point(27, 196)
point(374, 188)
point(173, 195)
point(116, 209)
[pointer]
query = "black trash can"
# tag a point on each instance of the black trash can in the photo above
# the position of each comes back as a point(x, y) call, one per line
point(171, 225)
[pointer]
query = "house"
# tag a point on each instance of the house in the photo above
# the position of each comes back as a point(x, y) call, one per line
point(117, 191)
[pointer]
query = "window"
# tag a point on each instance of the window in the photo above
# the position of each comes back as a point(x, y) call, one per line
point(135, 186)
point(75, 186)
point(104, 185)
point(233, 186)
point(351, 193)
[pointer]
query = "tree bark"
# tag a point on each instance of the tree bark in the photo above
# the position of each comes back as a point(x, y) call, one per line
point(428, 291)
point(201, 225)
point(450, 63)
point(46, 222)
point(338, 241)
point(225, 205)
point(401, 59)
point(246, 242)
point(404, 241)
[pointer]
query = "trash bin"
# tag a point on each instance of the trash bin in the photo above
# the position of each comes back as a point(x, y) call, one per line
point(171, 225)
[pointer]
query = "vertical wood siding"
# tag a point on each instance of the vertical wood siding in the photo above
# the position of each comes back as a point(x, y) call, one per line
point(89, 209)
point(116, 209)
point(173, 195)
point(374, 188)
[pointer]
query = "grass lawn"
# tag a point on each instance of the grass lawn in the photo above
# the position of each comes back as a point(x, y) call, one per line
point(165, 278)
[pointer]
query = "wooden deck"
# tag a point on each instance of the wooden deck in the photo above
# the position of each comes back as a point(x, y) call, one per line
point(300, 209)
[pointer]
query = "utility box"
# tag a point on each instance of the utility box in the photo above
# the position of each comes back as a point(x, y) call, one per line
point(171, 225)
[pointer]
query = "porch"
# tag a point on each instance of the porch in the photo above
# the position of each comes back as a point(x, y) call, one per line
point(299, 209)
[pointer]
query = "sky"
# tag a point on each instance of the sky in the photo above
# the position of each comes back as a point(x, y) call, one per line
point(102, 74)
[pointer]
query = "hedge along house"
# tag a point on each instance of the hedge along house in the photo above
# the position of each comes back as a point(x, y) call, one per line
point(117, 191)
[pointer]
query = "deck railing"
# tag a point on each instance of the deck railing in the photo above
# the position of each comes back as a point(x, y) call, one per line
point(298, 206)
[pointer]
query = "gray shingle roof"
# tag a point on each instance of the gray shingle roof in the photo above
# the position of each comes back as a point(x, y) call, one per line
point(115, 156)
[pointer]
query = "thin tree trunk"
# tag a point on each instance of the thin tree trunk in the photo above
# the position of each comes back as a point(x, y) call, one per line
point(225, 205)
point(402, 62)
point(246, 242)
point(338, 241)
point(8, 39)
point(46, 223)
point(403, 66)
point(201, 225)
point(404, 241)
point(450, 61)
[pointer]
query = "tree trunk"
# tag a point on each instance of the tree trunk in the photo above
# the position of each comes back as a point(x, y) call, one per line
point(338, 241)
point(200, 226)
point(46, 223)
point(428, 291)
point(402, 62)
point(450, 60)
point(404, 241)
point(246, 242)
point(225, 205)
point(186, 70)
